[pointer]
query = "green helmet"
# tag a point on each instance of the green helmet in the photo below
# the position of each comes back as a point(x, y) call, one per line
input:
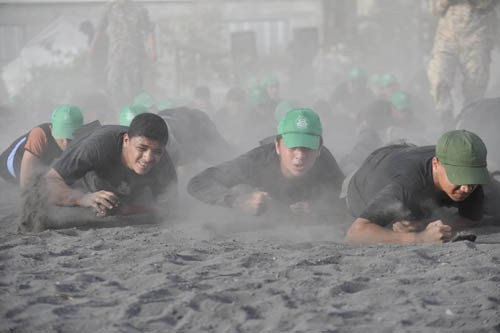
point(129, 112)
point(401, 101)
point(387, 80)
point(282, 108)
point(165, 104)
point(357, 73)
point(65, 120)
point(145, 99)
point(269, 80)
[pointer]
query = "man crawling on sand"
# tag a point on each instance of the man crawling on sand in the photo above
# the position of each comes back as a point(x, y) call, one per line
point(295, 173)
point(402, 185)
point(114, 171)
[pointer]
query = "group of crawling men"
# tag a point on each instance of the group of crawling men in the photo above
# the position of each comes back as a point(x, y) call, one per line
point(111, 175)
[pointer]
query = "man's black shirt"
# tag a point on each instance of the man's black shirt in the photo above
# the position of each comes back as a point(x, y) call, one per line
point(395, 183)
point(260, 170)
point(100, 153)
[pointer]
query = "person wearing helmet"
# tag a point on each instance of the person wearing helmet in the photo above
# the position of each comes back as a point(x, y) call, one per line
point(352, 95)
point(390, 85)
point(115, 171)
point(397, 193)
point(129, 112)
point(35, 150)
point(294, 174)
point(271, 87)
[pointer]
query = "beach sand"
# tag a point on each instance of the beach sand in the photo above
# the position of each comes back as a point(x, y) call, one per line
point(223, 273)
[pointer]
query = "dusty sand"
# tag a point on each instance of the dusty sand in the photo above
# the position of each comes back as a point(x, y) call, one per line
point(223, 273)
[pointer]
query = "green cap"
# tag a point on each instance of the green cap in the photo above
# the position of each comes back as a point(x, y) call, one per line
point(65, 120)
point(463, 155)
point(129, 112)
point(357, 73)
point(401, 101)
point(269, 80)
point(281, 109)
point(301, 128)
point(388, 79)
point(145, 99)
point(165, 104)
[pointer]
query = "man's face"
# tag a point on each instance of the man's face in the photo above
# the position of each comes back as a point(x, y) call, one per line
point(400, 114)
point(295, 162)
point(140, 154)
point(455, 192)
point(273, 91)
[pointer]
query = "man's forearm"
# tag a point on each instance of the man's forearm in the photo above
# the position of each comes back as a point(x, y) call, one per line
point(364, 231)
point(59, 193)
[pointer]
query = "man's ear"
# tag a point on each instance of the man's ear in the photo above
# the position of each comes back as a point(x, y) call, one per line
point(435, 163)
point(126, 139)
point(277, 146)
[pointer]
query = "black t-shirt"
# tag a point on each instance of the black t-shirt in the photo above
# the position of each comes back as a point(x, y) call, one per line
point(196, 135)
point(100, 154)
point(395, 183)
point(260, 170)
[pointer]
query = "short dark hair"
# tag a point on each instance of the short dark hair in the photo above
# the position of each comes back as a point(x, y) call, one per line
point(149, 125)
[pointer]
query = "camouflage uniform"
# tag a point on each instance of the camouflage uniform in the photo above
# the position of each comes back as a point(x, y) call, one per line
point(464, 38)
point(127, 26)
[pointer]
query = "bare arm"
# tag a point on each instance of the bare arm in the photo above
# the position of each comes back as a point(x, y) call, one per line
point(365, 231)
point(29, 164)
point(61, 194)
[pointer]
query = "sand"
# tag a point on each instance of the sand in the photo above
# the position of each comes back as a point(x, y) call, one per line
point(223, 273)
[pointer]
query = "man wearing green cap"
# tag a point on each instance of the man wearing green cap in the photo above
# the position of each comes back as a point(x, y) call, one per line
point(404, 186)
point(114, 171)
point(390, 85)
point(129, 112)
point(352, 95)
point(35, 151)
point(295, 172)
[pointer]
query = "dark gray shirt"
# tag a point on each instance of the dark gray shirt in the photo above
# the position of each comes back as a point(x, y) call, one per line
point(260, 170)
point(395, 183)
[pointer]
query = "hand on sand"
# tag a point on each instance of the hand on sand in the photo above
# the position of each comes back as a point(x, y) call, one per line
point(101, 202)
point(435, 232)
point(254, 203)
point(300, 208)
point(408, 226)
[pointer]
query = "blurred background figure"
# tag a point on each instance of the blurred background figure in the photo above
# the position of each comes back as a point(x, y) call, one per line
point(127, 27)
point(202, 100)
point(352, 95)
point(464, 39)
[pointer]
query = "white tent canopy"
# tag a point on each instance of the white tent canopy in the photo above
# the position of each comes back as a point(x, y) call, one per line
point(57, 45)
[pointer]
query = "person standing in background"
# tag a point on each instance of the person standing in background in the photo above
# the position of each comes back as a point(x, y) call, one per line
point(464, 38)
point(127, 26)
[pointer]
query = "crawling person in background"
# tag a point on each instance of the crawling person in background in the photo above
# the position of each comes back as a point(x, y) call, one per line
point(403, 186)
point(33, 152)
point(115, 171)
point(295, 173)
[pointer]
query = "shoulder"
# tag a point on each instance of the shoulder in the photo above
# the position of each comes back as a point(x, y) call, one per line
point(37, 133)
point(105, 137)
